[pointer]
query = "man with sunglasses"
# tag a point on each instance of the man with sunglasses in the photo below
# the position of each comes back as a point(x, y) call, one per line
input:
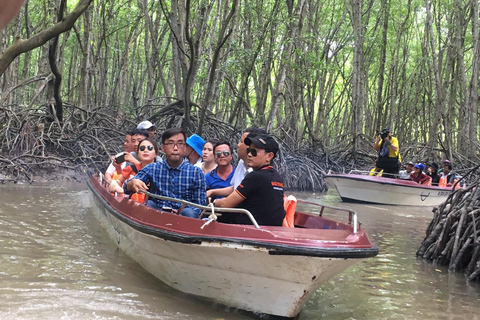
point(175, 177)
point(221, 176)
point(261, 191)
point(241, 169)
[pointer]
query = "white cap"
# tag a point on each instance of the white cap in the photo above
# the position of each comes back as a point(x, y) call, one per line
point(145, 125)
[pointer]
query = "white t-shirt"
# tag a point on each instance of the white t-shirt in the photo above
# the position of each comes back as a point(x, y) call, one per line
point(240, 172)
point(404, 175)
point(199, 163)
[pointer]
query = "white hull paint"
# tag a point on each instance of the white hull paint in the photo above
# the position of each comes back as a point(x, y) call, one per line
point(241, 276)
point(383, 191)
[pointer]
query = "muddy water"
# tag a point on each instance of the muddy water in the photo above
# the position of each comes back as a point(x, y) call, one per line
point(57, 263)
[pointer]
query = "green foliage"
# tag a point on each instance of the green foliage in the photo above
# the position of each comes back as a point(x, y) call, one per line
point(130, 67)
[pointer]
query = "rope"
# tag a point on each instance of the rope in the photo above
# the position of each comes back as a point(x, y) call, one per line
point(211, 217)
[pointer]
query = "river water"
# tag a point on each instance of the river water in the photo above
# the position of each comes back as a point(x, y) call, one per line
point(57, 263)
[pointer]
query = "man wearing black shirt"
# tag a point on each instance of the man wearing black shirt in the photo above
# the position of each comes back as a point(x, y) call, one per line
point(261, 191)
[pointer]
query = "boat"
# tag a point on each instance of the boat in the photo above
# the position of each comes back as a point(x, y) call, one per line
point(262, 269)
point(361, 187)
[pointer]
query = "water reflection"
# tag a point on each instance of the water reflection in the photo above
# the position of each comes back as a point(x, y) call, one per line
point(57, 263)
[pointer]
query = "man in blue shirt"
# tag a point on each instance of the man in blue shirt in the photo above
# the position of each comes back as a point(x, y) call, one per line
point(175, 177)
point(221, 176)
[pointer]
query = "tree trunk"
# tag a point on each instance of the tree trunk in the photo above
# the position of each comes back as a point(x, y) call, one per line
point(355, 10)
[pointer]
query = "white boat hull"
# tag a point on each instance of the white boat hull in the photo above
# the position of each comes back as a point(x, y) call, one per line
point(386, 191)
point(242, 276)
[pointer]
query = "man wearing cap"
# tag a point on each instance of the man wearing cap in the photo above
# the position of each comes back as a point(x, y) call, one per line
point(388, 153)
point(147, 125)
point(440, 170)
point(405, 174)
point(194, 150)
point(241, 170)
point(261, 191)
point(447, 177)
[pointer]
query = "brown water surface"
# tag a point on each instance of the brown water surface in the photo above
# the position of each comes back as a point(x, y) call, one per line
point(57, 263)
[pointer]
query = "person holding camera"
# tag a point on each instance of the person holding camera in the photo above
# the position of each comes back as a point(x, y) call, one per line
point(388, 153)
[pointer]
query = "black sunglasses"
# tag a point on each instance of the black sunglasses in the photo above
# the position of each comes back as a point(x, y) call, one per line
point(219, 153)
point(254, 152)
point(142, 148)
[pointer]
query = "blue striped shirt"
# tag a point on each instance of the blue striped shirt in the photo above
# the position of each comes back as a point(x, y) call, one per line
point(185, 182)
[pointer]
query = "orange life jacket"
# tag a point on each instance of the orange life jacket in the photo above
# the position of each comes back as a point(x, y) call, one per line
point(290, 205)
point(140, 197)
point(442, 182)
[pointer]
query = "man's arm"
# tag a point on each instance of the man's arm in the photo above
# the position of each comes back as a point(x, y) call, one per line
point(222, 192)
point(233, 200)
point(139, 182)
point(376, 145)
point(130, 158)
point(394, 143)
point(200, 188)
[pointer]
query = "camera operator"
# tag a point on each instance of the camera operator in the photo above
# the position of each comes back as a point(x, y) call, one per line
point(388, 153)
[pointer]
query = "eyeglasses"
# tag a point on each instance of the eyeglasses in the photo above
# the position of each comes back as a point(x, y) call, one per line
point(142, 148)
point(171, 144)
point(254, 152)
point(219, 153)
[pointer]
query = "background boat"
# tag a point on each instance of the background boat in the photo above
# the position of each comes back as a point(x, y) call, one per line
point(381, 190)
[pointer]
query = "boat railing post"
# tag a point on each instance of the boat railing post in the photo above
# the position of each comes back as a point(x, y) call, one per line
point(353, 216)
point(321, 211)
point(146, 199)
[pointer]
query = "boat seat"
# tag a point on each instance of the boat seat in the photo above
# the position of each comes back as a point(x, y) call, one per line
point(290, 205)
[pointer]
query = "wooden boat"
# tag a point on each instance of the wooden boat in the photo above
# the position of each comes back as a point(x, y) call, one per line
point(263, 269)
point(381, 190)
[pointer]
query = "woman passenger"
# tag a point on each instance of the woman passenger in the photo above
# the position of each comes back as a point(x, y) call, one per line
point(147, 152)
point(208, 163)
point(418, 176)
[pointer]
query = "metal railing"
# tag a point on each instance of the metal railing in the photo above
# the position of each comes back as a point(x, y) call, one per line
point(205, 209)
point(188, 203)
point(352, 214)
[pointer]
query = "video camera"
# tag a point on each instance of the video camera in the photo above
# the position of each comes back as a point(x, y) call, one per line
point(383, 134)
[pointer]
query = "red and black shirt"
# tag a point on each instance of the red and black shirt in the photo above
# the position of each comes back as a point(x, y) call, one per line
point(262, 191)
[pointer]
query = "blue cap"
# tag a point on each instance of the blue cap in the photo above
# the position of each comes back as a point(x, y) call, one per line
point(420, 166)
point(196, 143)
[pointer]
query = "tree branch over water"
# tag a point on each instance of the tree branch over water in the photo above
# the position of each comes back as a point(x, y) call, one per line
point(21, 46)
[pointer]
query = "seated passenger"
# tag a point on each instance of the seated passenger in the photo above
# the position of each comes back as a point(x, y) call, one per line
point(139, 135)
point(115, 169)
point(147, 153)
point(405, 174)
point(432, 172)
point(150, 127)
point(418, 176)
point(208, 157)
point(241, 170)
point(221, 176)
point(446, 161)
point(193, 150)
point(447, 177)
point(261, 191)
point(175, 177)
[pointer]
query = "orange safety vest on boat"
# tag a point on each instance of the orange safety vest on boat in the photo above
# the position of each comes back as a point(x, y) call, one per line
point(290, 205)
point(442, 182)
point(140, 197)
